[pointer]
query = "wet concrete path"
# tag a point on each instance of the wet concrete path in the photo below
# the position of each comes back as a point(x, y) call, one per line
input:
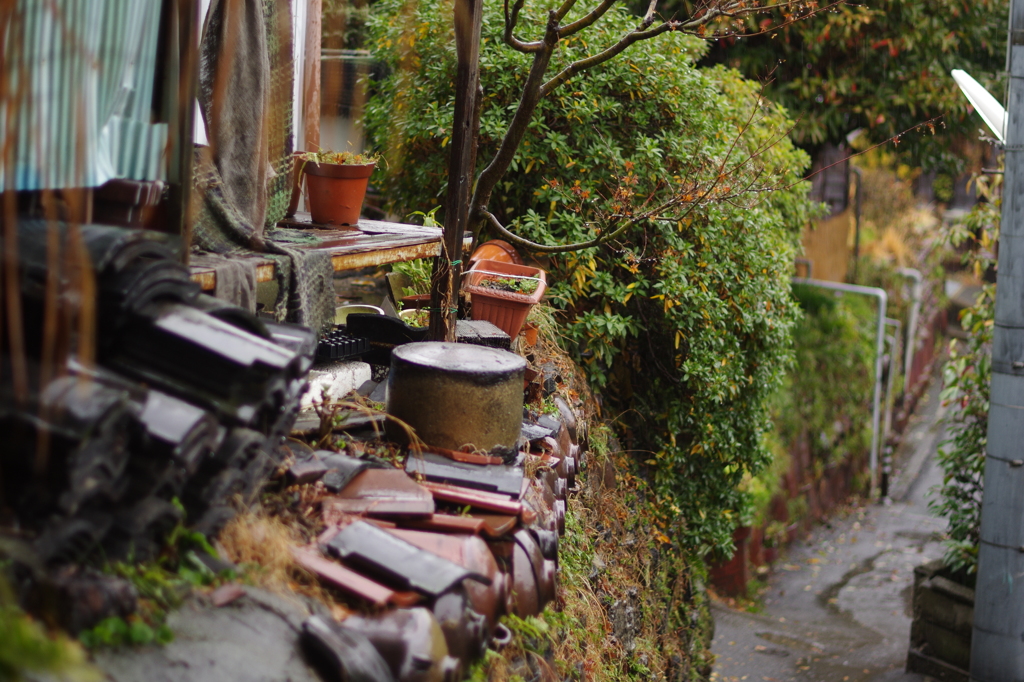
point(837, 607)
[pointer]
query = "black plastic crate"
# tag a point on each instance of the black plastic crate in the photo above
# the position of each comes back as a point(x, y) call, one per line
point(339, 345)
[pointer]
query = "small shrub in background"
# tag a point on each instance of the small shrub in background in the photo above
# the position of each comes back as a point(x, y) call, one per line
point(827, 396)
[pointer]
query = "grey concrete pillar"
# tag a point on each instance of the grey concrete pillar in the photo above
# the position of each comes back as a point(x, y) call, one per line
point(997, 649)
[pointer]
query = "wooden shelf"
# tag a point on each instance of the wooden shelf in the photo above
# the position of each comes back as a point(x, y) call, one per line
point(370, 243)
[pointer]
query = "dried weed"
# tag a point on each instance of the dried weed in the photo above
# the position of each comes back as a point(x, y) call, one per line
point(263, 545)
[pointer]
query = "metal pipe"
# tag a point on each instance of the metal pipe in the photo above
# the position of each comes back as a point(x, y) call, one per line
point(859, 174)
point(876, 403)
point(997, 648)
point(894, 353)
point(886, 476)
point(916, 291)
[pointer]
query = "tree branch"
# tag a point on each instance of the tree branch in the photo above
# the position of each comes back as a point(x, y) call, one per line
point(542, 248)
point(511, 19)
point(721, 172)
point(563, 10)
point(691, 26)
point(490, 175)
point(601, 57)
point(649, 14)
point(730, 9)
point(582, 23)
point(536, 88)
point(750, 187)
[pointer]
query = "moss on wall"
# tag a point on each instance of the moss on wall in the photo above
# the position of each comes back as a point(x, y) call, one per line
point(630, 605)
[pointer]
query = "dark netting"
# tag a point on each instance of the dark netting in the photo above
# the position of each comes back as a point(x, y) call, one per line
point(279, 115)
point(225, 222)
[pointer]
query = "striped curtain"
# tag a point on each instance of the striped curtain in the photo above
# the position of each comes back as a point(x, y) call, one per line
point(77, 110)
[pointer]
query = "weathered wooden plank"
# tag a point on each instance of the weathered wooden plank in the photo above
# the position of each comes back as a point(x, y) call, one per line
point(370, 243)
point(265, 271)
point(350, 257)
point(354, 261)
point(179, 88)
point(302, 220)
point(206, 277)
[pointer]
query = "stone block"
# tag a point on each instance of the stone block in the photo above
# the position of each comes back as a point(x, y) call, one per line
point(934, 604)
point(481, 333)
point(953, 590)
point(337, 378)
point(926, 571)
point(946, 645)
point(255, 637)
point(918, 662)
point(943, 619)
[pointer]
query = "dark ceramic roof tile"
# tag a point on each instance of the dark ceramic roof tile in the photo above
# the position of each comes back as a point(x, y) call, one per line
point(398, 562)
point(308, 471)
point(448, 523)
point(500, 478)
point(349, 581)
point(478, 499)
point(382, 492)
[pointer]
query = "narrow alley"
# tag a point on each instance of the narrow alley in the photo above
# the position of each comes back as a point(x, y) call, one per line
point(838, 605)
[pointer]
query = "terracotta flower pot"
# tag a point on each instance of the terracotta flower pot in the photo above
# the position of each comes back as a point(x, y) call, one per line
point(506, 310)
point(336, 191)
point(415, 301)
point(498, 250)
point(530, 331)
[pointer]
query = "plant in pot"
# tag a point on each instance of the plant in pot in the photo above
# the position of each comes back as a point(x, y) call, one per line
point(410, 283)
point(503, 293)
point(415, 317)
point(336, 184)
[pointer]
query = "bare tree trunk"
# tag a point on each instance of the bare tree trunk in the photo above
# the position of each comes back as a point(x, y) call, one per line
point(444, 284)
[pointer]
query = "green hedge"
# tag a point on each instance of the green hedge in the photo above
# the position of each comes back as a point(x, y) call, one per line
point(684, 324)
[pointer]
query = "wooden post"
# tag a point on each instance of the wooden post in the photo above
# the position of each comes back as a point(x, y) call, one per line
point(445, 283)
point(182, 47)
point(311, 79)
